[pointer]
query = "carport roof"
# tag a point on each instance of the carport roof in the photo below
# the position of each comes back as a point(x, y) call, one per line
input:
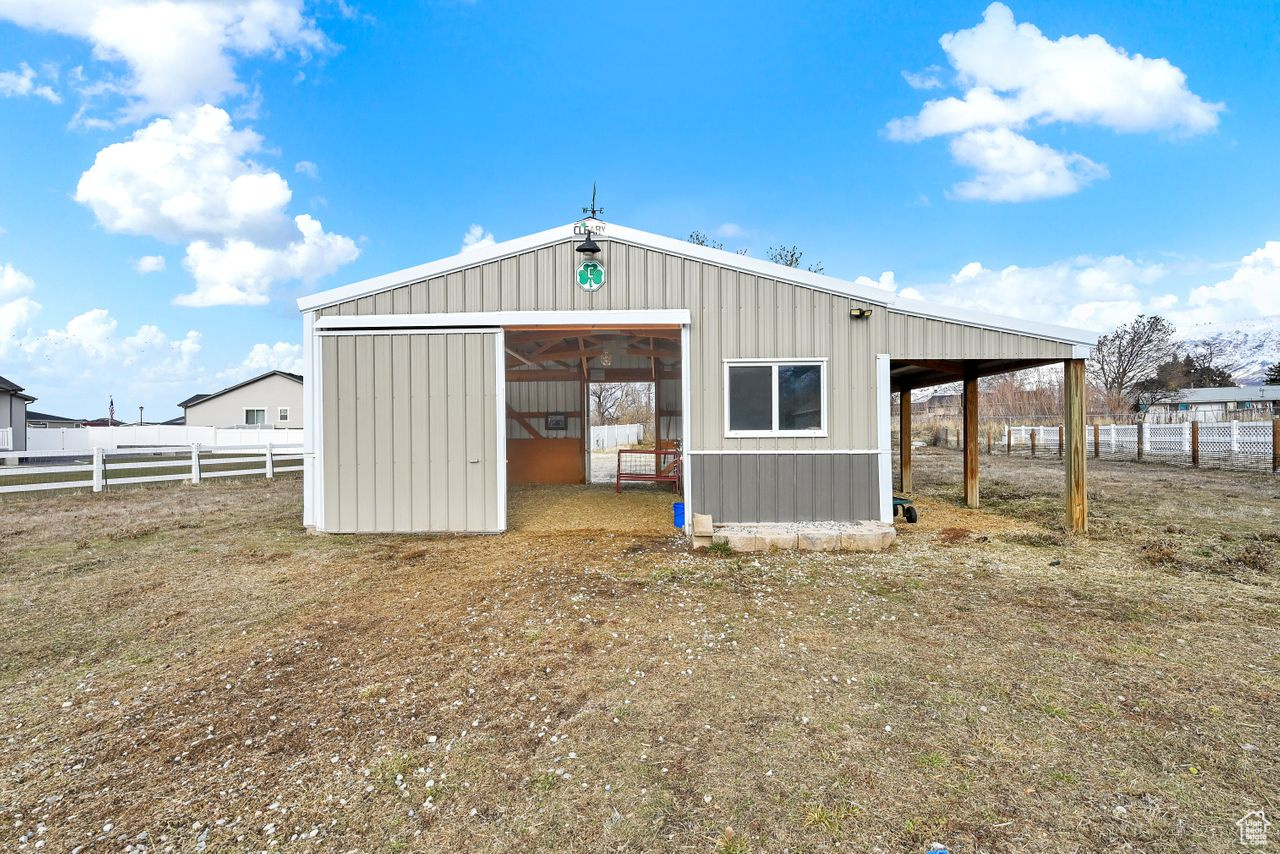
point(802, 278)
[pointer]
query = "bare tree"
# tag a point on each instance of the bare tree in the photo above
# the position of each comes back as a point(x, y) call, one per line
point(789, 256)
point(1131, 353)
point(606, 401)
point(621, 403)
point(700, 238)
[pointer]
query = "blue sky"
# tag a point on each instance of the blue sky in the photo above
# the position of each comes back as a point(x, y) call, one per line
point(1075, 162)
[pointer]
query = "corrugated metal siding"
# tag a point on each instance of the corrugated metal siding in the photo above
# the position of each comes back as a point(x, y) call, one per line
point(786, 487)
point(404, 415)
point(735, 314)
point(563, 397)
point(911, 337)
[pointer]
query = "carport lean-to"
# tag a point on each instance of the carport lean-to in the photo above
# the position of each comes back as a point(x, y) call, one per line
point(432, 387)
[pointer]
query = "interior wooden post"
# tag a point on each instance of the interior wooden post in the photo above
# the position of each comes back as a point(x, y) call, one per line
point(904, 439)
point(970, 400)
point(1075, 456)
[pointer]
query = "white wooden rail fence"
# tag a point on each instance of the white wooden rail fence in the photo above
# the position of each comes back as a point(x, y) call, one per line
point(608, 436)
point(1221, 444)
point(102, 468)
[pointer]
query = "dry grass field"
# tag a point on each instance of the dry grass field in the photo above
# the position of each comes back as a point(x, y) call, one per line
point(183, 668)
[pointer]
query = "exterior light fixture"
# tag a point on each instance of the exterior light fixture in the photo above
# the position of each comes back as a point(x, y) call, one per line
point(859, 313)
point(589, 248)
point(606, 358)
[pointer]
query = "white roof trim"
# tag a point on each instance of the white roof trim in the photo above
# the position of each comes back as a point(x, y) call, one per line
point(719, 257)
point(619, 317)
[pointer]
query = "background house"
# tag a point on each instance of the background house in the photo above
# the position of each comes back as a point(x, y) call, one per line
point(13, 416)
point(273, 399)
point(43, 420)
point(1215, 404)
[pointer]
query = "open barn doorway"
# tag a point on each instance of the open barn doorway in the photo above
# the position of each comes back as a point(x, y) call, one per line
point(562, 381)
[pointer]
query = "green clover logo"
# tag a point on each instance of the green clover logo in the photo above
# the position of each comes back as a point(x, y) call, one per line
point(590, 276)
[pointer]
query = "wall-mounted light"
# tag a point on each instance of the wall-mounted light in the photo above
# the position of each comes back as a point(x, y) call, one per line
point(859, 313)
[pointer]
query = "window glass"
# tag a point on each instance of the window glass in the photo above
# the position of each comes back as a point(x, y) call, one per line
point(255, 416)
point(283, 414)
point(750, 397)
point(799, 397)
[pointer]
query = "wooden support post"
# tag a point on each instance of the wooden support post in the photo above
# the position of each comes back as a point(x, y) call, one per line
point(971, 440)
point(1141, 433)
point(1275, 445)
point(1195, 444)
point(904, 439)
point(1060, 432)
point(1008, 439)
point(988, 442)
point(1097, 444)
point(1032, 434)
point(1073, 414)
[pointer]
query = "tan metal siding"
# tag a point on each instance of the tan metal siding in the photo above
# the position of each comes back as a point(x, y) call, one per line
point(912, 337)
point(735, 314)
point(405, 416)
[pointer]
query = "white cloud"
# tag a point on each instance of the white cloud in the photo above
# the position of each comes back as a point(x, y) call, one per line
point(1016, 78)
point(1012, 168)
point(176, 52)
point(1253, 290)
point(280, 356)
point(191, 177)
point(886, 281)
point(1084, 292)
point(730, 231)
point(306, 167)
point(22, 82)
point(183, 177)
point(241, 272)
point(149, 264)
point(475, 238)
point(927, 79)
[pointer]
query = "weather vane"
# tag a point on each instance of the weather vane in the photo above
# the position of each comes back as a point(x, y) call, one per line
point(593, 210)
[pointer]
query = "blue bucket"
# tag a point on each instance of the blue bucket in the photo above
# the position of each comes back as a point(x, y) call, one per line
point(677, 514)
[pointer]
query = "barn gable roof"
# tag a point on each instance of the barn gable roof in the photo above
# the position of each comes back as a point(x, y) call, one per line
point(722, 258)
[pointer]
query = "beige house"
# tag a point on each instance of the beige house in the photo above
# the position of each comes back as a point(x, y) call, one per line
point(273, 399)
point(430, 388)
point(13, 416)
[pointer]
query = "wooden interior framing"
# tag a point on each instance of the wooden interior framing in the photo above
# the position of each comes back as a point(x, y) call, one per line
point(576, 354)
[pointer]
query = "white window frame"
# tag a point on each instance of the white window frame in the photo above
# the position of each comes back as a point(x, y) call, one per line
point(247, 423)
point(818, 433)
point(282, 414)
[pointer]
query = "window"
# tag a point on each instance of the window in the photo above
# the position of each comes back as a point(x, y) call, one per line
point(782, 398)
point(254, 417)
point(283, 414)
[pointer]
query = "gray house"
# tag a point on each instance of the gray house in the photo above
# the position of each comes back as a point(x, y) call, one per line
point(429, 388)
point(13, 416)
point(273, 399)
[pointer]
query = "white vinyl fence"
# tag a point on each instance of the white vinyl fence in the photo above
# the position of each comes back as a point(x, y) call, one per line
point(6, 438)
point(615, 435)
point(154, 435)
point(1220, 444)
point(100, 469)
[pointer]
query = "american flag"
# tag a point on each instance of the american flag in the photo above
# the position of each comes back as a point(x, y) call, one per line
point(111, 410)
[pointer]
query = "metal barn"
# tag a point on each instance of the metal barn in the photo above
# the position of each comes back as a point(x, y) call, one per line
point(432, 388)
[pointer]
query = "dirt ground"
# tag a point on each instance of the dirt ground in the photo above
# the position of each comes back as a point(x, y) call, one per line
point(183, 668)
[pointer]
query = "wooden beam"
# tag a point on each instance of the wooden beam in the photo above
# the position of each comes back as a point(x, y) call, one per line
point(904, 440)
point(971, 440)
point(519, 358)
point(1073, 417)
point(519, 418)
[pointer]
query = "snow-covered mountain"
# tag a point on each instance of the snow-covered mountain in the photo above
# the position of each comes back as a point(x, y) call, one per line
point(1251, 346)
